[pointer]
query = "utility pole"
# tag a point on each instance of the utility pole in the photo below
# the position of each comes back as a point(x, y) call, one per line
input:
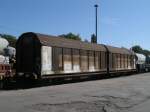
point(96, 6)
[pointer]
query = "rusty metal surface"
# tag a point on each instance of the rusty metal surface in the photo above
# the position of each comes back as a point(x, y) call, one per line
point(119, 50)
point(66, 43)
point(49, 40)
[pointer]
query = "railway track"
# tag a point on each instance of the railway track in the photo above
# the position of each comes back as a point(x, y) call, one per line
point(13, 84)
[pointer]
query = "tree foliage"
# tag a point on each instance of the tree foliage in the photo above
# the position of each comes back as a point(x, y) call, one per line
point(71, 36)
point(10, 38)
point(93, 38)
point(138, 49)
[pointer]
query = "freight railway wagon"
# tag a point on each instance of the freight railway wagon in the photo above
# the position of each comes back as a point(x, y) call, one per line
point(44, 56)
point(5, 71)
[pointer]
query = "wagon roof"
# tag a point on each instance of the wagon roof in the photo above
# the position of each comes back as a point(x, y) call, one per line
point(48, 40)
point(119, 50)
point(68, 43)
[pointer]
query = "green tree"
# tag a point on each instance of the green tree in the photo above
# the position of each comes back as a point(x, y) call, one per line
point(146, 52)
point(93, 38)
point(71, 36)
point(10, 38)
point(137, 49)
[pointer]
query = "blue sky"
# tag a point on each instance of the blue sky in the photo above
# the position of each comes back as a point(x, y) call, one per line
point(120, 22)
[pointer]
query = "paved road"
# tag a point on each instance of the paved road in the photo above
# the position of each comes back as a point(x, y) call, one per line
point(123, 94)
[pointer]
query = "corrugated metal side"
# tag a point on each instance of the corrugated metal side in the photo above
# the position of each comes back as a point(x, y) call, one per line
point(46, 55)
